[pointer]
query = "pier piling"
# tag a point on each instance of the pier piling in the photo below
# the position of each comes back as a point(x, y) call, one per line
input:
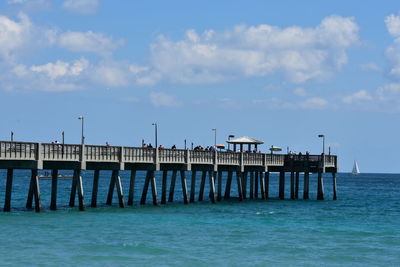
point(320, 194)
point(145, 189)
point(219, 194)
point(119, 189)
point(184, 188)
point(212, 187)
point(251, 194)
point(202, 185)
point(228, 186)
point(172, 187)
point(54, 178)
point(7, 202)
point(296, 191)
point(256, 185)
point(306, 185)
point(239, 185)
point(164, 187)
point(334, 185)
point(95, 189)
point(193, 187)
point(132, 187)
point(292, 185)
point(282, 185)
point(266, 178)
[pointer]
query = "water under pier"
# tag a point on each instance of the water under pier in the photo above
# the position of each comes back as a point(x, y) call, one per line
point(247, 169)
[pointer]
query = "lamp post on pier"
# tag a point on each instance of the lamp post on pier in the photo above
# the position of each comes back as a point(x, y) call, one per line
point(215, 137)
point(82, 119)
point(12, 136)
point(323, 142)
point(155, 134)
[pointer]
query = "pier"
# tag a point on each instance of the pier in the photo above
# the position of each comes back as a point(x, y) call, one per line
point(246, 169)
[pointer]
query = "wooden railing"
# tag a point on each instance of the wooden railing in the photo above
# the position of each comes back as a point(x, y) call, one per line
point(92, 153)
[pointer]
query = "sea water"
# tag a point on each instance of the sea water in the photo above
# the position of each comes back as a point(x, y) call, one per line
point(361, 228)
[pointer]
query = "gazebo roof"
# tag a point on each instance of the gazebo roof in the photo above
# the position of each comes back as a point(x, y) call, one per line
point(245, 140)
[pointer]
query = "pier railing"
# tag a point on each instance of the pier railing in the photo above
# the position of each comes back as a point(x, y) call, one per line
point(93, 153)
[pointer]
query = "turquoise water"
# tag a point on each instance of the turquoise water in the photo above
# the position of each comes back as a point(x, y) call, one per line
point(361, 228)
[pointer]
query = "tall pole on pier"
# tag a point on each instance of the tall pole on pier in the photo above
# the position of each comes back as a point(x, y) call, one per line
point(215, 137)
point(323, 142)
point(12, 136)
point(155, 134)
point(82, 125)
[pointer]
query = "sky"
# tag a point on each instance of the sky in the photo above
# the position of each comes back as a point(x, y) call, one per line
point(279, 71)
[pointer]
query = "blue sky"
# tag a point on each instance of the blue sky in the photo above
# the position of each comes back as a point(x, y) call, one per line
point(279, 71)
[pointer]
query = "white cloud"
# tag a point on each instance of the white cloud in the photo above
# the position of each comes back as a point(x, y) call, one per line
point(84, 7)
point(301, 54)
point(393, 51)
point(62, 69)
point(300, 91)
point(361, 95)
point(393, 25)
point(159, 99)
point(88, 42)
point(370, 66)
point(311, 103)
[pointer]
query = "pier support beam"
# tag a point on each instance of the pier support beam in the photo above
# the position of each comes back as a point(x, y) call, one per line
point(219, 194)
point(244, 184)
point(296, 190)
point(172, 187)
point(239, 185)
point(131, 188)
point(164, 188)
point(54, 178)
point(7, 201)
point(320, 194)
point(202, 185)
point(266, 179)
point(73, 192)
point(95, 189)
point(292, 185)
point(79, 185)
point(153, 187)
point(262, 186)
point(334, 185)
point(282, 185)
point(111, 190)
point(193, 187)
point(34, 192)
point(227, 194)
point(119, 189)
point(145, 189)
point(184, 188)
point(256, 185)
point(251, 195)
point(212, 187)
point(306, 194)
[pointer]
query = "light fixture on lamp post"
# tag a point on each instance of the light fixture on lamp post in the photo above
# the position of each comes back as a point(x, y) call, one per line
point(323, 142)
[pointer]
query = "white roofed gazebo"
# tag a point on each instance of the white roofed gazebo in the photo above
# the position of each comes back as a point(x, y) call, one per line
point(245, 140)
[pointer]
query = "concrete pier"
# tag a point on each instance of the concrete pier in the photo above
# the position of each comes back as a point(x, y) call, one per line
point(218, 166)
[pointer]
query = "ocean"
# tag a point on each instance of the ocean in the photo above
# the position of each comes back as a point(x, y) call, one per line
point(361, 228)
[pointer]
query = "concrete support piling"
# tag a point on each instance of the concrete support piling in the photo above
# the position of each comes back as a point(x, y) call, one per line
point(164, 187)
point(73, 192)
point(281, 185)
point(184, 188)
point(54, 178)
point(131, 188)
point(266, 178)
point(219, 194)
point(320, 194)
point(212, 187)
point(153, 188)
point(7, 201)
point(306, 194)
point(239, 185)
point(95, 189)
point(202, 185)
point(256, 185)
point(193, 187)
point(172, 187)
point(120, 193)
point(262, 186)
point(296, 190)
point(292, 185)
point(228, 186)
point(251, 195)
point(244, 185)
point(145, 189)
point(36, 190)
point(334, 185)
point(79, 185)
point(29, 199)
point(111, 190)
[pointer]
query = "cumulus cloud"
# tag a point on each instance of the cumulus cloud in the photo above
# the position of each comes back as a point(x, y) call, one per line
point(300, 91)
point(84, 7)
point(393, 51)
point(159, 99)
point(312, 103)
point(370, 66)
point(302, 54)
point(361, 95)
point(88, 42)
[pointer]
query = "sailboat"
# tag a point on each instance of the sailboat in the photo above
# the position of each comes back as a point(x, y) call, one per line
point(356, 170)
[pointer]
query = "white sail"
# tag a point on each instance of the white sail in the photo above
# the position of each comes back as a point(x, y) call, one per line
point(355, 170)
